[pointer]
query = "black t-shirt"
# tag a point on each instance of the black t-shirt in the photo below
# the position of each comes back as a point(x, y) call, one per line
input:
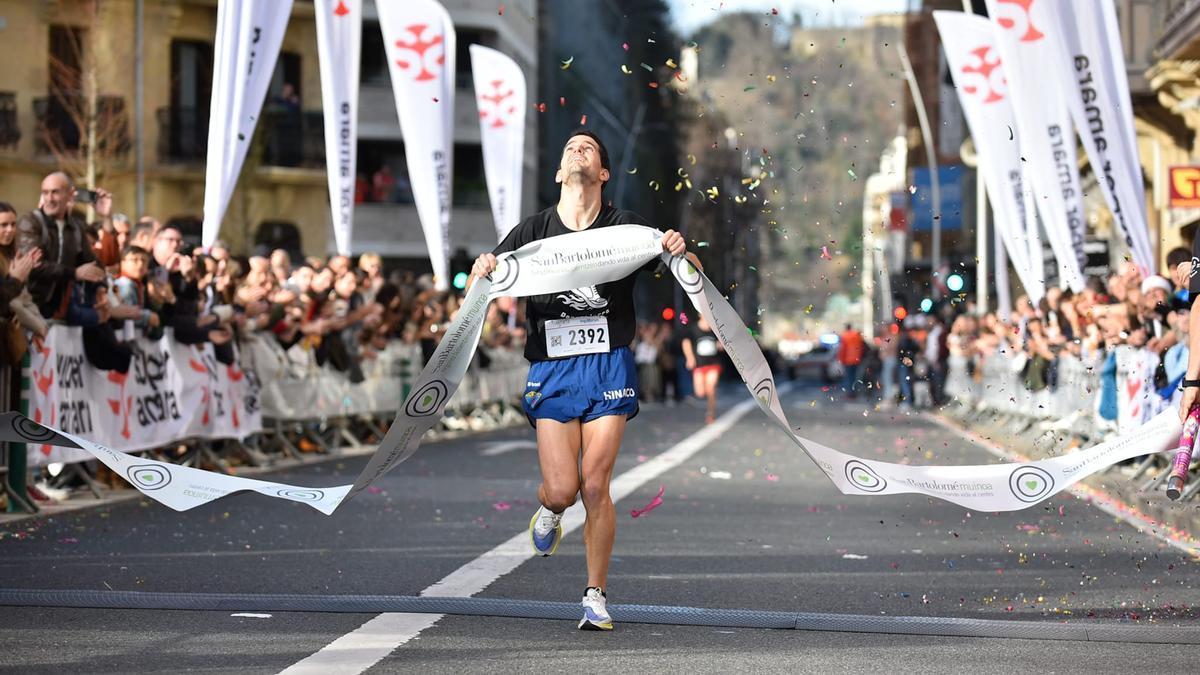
point(704, 346)
point(613, 300)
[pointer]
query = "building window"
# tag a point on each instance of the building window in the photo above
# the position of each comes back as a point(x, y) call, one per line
point(373, 66)
point(57, 113)
point(287, 72)
point(470, 184)
point(462, 57)
point(273, 234)
point(183, 129)
point(66, 58)
point(383, 173)
point(10, 131)
point(284, 127)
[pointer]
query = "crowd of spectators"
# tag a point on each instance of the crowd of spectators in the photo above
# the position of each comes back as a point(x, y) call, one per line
point(117, 277)
point(910, 360)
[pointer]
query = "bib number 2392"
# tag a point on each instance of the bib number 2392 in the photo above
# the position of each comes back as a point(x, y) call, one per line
point(578, 335)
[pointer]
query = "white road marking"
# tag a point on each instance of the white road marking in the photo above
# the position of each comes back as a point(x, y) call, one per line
point(362, 648)
point(501, 447)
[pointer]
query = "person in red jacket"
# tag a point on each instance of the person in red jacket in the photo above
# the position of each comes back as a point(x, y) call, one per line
point(851, 350)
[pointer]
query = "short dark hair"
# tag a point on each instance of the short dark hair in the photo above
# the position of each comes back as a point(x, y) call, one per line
point(599, 144)
point(5, 207)
point(134, 250)
point(1177, 255)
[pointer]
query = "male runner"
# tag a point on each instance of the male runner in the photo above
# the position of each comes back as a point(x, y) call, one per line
point(582, 396)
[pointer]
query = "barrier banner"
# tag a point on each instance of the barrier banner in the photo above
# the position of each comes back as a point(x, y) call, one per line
point(295, 387)
point(170, 392)
point(564, 262)
point(978, 74)
point(419, 39)
point(1090, 70)
point(249, 35)
point(500, 93)
point(223, 399)
point(1046, 133)
point(1135, 387)
point(339, 43)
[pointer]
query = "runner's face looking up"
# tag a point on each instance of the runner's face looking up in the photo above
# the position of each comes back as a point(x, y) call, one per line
point(580, 163)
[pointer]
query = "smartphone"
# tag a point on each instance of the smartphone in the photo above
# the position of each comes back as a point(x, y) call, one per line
point(85, 196)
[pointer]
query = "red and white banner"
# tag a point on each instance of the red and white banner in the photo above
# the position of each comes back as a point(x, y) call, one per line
point(1044, 128)
point(170, 392)
point(500, 93)
point(1090, 70)
point(978, 75)
point(249, 35)
point(419, 40)
point(339, 45)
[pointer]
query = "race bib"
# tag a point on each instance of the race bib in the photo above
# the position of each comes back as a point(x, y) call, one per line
point(578, 335)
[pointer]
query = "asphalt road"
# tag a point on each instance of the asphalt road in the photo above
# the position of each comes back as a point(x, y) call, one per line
point(747, 522)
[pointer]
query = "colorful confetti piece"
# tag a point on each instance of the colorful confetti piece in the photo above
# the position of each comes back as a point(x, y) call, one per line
point(654, 504)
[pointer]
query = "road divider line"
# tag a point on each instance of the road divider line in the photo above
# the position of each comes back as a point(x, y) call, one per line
point(369, 644)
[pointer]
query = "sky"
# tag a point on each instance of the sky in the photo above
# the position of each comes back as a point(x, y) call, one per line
point(691, 14)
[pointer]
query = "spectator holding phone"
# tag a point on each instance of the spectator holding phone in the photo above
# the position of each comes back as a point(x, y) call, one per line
point(172, 268)
point(53, 228)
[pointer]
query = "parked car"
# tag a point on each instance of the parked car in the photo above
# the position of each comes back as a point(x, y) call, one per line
point(818, 363)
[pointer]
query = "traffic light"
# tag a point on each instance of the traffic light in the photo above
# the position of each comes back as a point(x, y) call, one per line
point(955, 282)
point(460, 268)
point(900, 313)
point(926, 305)
point(668, 314)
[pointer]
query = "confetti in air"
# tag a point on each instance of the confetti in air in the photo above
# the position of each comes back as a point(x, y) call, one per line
point(654, 504)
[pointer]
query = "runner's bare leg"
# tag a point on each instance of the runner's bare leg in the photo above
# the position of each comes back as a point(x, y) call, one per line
point(710, 388)
point(558, 454)
point(601, 442)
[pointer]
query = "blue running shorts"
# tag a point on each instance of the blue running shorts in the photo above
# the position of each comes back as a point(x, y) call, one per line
point(582, 387)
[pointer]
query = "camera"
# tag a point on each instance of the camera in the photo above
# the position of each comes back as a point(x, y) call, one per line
point(85, 196)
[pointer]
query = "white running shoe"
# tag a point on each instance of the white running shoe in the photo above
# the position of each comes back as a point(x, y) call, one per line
point(545, 531)
point(595, 615)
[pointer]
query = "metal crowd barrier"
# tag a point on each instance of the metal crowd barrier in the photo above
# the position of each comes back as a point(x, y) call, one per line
point(311, 408)
point(1066, 413)
point(12, 464)
point(308, 407)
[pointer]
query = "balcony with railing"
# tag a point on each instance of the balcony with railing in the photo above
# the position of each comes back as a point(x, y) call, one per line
point(60, 125)
point(10, 132)
point(287, 138)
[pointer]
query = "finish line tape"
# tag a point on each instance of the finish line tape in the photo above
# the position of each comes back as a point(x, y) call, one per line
point(590, 257)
